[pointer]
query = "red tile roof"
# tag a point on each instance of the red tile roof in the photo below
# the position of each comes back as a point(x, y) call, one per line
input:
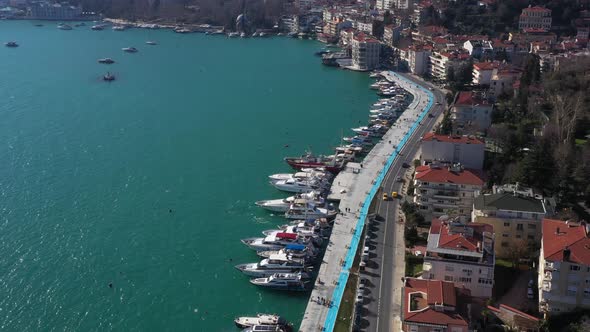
point(444, 175)
point(459, 240)
point(570, 236)
point(451, 139)
point(437, 292)
point(362, 37)
point(537, 9)
point(485, 65)
point(467, 98)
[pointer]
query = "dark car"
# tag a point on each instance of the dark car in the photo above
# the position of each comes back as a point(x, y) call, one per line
point(406, 165)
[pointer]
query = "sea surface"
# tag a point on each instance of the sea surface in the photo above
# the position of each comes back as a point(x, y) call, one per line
point(148, 183)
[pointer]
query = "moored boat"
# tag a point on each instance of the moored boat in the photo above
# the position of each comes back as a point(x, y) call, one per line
point(310, 161)
point(282, 281)
point(260, 319)
point(130, 49)
point(108, 77)
point(273, 264)
point(11, 44)
point(107, 61)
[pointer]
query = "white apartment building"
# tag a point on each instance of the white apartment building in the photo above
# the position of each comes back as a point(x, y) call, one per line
point(384, 4)
point(465, 150)
point(471, 113)
point(482, 72)
point(443, 190)
point(535, 18)
point(564, 267)
point(418, 58)
point(365, 52)
point(462, 254)
point(440, 62)
point(502, 81)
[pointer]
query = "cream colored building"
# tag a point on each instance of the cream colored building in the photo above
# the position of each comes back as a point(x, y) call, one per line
point(564, 267)
point(535, 18)
point(365, 52)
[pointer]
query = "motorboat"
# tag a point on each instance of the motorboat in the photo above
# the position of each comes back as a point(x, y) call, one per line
point(303, 174)
point(265, 328)
point(309, 233)
point(306, 211)
point(282, 205)
point(181, 30)
point(81, 24)
point(233, 34)
point(349, 148)
point(243, 35)
point(98, 27)
point(107, 61)
point(275, 241)
point(129, 49)
point(38, 25)
point(273, 264)
point(282, 281)
point(375, 75)
point(119, 28)
point(108, 77)
point(260, 319)
point(151, 42)
point(299, 186)
point(310, 161)
point(301, 251)
point(64, 27)
point(11, 44)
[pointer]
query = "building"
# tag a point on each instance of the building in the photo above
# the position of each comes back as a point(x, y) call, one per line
point(444, 190)
point(515, 214)
point(465, 150)
point(471, 113)
point(384, 4)
point(462, 254)
point(441, 62)
point(365, 52)
point(418, 57)
point(434, 305)
point(535, 18)
point(506, 315)
point(391, 34)
point(502, 81)
point(564, 267)
point(478, 48)
point(482, 72)
point(333, 27)
point(55, 11)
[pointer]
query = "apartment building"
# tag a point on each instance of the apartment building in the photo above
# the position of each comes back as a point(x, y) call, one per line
point(482, 72)
point(384, 4)
point(564, 267)
point(365, 52)
point(434, 305)
point(441, 62)
point(515, 214)
point(443, 190)
point(471, 113)
point(418, 57)
point(463, 254)
point(465, 150)
point(535, 18)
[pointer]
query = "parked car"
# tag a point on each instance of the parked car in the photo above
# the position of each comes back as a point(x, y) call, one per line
point(385, 197)
point(399, 179)
point(529, 293)
point(406, 165)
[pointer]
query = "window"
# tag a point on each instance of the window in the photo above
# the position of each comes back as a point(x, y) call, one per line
point(449, 268)
point(465, 280)
point(506, 224)
point(572, 290)
point(519, 227)
point(531, 237)
point(504, 244)
point(484, 281)
point(518, 236)
point(448, 278)
point(467, 272)
point(505, 235)
point(532, 226)
point(519, 214)
point(574, 268)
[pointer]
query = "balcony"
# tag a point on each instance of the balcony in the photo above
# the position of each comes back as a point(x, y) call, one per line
point(447, 195)
point(549, 275)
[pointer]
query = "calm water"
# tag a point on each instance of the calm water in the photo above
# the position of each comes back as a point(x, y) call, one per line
point(90, 171)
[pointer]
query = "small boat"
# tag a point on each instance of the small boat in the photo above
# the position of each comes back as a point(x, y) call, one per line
point(303, 210)
point(151, 42)
point(272, 265)
point(11, 44)
point(301, 251)
point(282, 281)
point(260, 319)
point(81, 24)
point(107, 61)
point(275, 241)
point(265, 328)
point(98, 27)
point(129, 49)
point(243, 35)
point(299, 185)
point(64, 27)
point(310, 161)
point(108, 77)
point(119, 28)
point(38, 25)
point(233, 34)
point(282, 205)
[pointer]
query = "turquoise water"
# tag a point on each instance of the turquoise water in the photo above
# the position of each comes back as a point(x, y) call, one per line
point(148, 182)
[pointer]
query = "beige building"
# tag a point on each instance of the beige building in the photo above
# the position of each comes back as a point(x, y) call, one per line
point(445, 190)
point(465, 150)
point(441, 62)
point(417, 58)
point(516, 216)
point(564, 267)
point(471, 113)
point(462, 254)
point(535, 18)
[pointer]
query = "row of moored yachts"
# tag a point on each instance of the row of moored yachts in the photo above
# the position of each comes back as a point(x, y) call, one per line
point(289, 253)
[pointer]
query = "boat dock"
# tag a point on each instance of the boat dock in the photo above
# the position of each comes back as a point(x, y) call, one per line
point(354, 188)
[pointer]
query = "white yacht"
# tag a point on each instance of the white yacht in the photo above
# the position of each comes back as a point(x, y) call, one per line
point(260, 319)
point(302, 210)
point(282, 281)
point(265, 328)
point(301, 251)
point(305, 174)
point(282, 205)
point(274, 241)
point(298, 186)
point(273, 264)
point(119, 28)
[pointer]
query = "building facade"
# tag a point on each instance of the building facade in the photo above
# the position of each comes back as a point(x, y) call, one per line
point(444, 190)
point(463, 254)
point(465, 150)
point(471, 112)
point(535, 18)
point(515, 215)
point(482, 72)
point(56, 11)
point(417, 58)
point(564, 267)
point(365, 52)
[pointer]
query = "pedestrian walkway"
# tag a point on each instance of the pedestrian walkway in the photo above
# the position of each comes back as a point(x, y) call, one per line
point(355, 187)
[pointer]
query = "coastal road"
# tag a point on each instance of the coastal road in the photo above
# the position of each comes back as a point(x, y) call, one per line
point(381, 308)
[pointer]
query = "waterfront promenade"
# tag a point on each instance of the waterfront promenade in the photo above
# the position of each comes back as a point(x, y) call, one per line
point(355, 187)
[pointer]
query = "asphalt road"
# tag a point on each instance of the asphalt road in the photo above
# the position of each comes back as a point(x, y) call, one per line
point(382, 274)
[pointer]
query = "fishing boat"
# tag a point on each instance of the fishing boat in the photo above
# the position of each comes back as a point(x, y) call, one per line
point(310, 161)
point(130, 49)
point(108, 77)
point(260, 319)
point(282, 281)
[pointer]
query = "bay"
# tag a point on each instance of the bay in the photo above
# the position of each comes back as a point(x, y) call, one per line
point(147, 183)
